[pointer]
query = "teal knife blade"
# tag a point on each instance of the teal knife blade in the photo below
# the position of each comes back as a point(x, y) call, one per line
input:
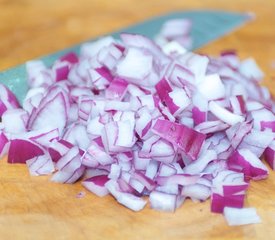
point(206, 27)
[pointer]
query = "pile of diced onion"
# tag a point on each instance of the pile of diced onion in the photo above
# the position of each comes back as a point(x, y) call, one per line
point(146, 124)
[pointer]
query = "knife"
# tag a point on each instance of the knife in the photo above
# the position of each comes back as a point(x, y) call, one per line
point(206, 27)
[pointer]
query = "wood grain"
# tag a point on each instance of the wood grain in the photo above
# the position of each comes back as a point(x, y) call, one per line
point(34, 208)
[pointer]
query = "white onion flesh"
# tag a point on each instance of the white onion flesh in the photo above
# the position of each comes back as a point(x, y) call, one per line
point(236, 216)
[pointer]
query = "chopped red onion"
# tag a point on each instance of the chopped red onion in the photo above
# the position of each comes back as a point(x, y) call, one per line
point(223, 114)
point(202, 161)
point(136, 66)
point(38, 74)
point(197, 192)
point(228, 189)
point(134, 119)
point(237, 216)
point(4, 144)
point(45, 137)
point(180, 179)
point(40, 165)
point(257, 141)
point(163, 201)
point(61, 70)
point(7, 100)
point(245, 161)
point(186, 139)
point(219, 202)
point(250, 69)
point(44, 116)
point(21, 150)
point(174, 47)
point(237, 132)
point(96, 185)
point(58, 148)
point(15, 120)
point(89, 50)
point(212, 87)
point(70, 57)
point(270, 155)
point(263, 119)
point(117, 89)
point(176, 30)
point(96, 155)
point(68, 177)
point(129, 200)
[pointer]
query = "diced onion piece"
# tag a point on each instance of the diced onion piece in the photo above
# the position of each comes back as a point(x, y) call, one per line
point(245, 161)
point(45, 117)
point(173, 48)
point(237, 216)
point(135, 66)
point(15, 120)
point(196, 192)
point(163, 201)
point(186, 139)
point(270, 155)
point(212, 87)
point(224, 115)
point(41, 165)
point(250, 69)
point(96, 185)
point(180, 101)
point(4, 144)
point(21, 150)
point(7, 100)
point(198, 165)
point(91, 49)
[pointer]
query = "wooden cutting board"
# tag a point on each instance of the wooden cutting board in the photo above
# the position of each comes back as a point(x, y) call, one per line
point(34, 208)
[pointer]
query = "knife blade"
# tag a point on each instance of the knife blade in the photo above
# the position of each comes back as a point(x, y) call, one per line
point(206, 27)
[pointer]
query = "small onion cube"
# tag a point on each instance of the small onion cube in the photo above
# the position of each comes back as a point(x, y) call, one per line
point(196, 192)
point(7, 99)
point(45, 137)
point(245, 161)
point(15, 120)
point(45, 117)
point(70, 57)
point(68, 177)
point(135, 66)
point(179, 101)
point(218, 202)
point(250, 69)
point(270, 155)
point(4, 142)
point(91, 49)
point(237, 216)
point(186, 139)
point(163, 201)
point(21, 150)
point(41, 165)
point(96, 185)
point(224, 115)
point(117, 89)
point(99, 155)
point(130, 201)
point(211, 87)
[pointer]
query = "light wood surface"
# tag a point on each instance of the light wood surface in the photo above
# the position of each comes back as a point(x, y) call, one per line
point(34, 208)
